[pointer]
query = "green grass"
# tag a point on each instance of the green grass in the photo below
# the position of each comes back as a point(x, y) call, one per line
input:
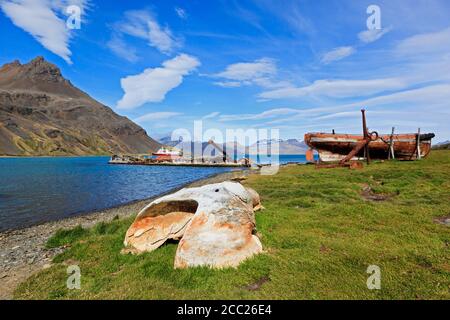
point(319, 236)
point(66, 237)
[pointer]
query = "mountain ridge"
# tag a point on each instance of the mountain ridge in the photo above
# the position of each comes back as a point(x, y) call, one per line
point(42, 113)
point(286, 147)
point(444, 145)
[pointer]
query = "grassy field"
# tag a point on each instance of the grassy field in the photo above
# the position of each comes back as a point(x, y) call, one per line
point(320, 233)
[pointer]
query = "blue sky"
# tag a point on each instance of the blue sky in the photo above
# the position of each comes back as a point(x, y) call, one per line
point(297, 66)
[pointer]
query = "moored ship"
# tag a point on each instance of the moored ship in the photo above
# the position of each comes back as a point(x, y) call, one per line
point(167, 154)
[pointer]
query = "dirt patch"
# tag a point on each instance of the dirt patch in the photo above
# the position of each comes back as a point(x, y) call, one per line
point(239, 179)
point(71, 262)
point(443, 220)
point(257, 285)
point(324, 249)
point(368, 194)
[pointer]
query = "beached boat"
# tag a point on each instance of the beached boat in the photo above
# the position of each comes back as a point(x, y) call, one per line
point(335, 147)
point(342, 148)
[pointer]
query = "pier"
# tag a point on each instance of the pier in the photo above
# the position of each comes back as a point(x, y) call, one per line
point(146, 160)
point(170, 156)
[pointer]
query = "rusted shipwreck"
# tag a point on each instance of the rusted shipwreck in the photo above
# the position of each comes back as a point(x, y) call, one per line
point(343, 148)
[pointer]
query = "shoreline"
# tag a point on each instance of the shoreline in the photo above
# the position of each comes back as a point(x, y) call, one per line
point(56, 156)
point(105, 155)
point(81, 214)
point(23, 252)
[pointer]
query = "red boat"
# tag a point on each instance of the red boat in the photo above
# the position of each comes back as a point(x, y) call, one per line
point(167, 154)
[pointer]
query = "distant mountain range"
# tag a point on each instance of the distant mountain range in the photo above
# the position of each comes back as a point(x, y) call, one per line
point(42, 113)
point(442, 145)
point(289, 146)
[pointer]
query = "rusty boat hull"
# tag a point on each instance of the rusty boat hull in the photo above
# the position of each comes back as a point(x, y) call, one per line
point(335, 147)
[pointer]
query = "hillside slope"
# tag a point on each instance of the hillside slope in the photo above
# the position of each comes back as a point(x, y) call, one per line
point(42, 113)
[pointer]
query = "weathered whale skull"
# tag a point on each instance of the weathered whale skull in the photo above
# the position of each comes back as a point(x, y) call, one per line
point(216, 225)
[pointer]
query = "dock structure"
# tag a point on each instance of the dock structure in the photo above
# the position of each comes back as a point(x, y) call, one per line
point(170, 157)
point(183, 162)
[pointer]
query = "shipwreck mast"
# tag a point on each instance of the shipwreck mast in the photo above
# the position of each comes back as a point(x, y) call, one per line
point(366, 136)
point(364, 143)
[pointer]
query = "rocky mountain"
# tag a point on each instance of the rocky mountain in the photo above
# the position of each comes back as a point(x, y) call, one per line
point(289, 146)
point(42, 113)
point(167, 141)
point(445, 145)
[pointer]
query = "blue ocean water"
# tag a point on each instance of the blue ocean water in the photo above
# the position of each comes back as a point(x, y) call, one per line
point(283, 159)
point(35, 190)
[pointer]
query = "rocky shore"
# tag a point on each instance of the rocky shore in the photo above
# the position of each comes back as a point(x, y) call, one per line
point(23, 252)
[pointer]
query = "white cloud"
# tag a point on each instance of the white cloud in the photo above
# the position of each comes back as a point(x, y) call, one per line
point(134, 24)
point(228, 84)
point(181, 12)
point(142, 24)
point(120, 48)
point(44, 20)
point(340, 53)
point(160, 38)
point(337, 54)
point(260, 72)
point(428, 99)
point(260, 116)
point(369, 36)
point(434, 94)
point(155, 116)
point(61, 5)
point(407, 110)
point(420, 69)
point(337, 88)
point(269, 83)
point(249, 70)
point(366, 36)
point(153, 84)
point(435, 42)
point(211, 115)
